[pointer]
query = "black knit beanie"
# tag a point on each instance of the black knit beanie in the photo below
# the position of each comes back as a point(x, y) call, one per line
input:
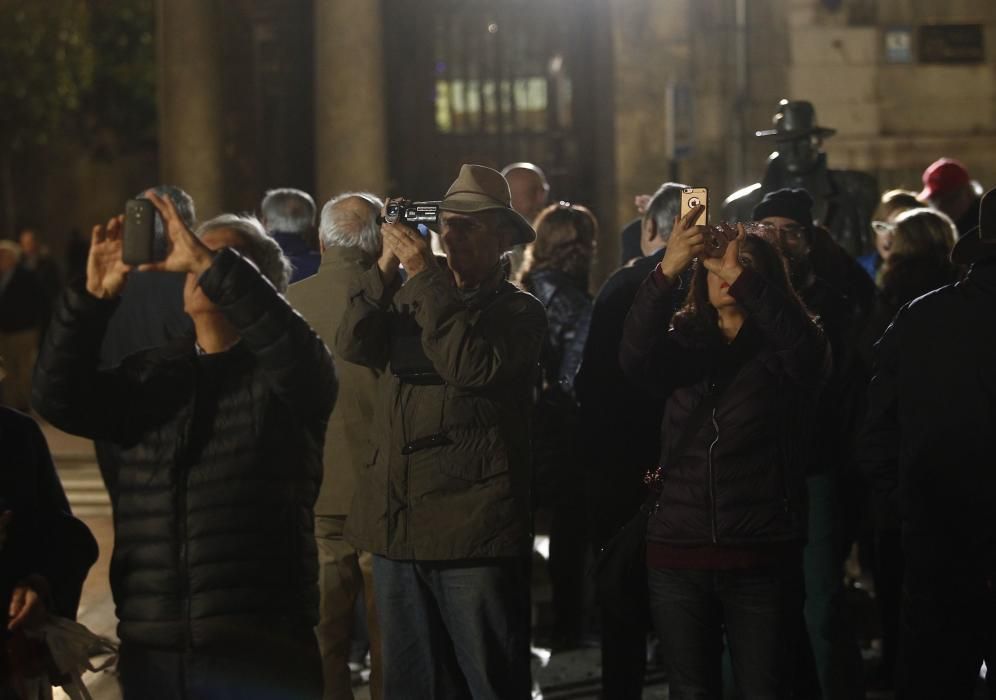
point(790, 204)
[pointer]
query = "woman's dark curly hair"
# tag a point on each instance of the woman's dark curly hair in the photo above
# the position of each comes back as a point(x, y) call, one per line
point(698, 320)
point(565, 241)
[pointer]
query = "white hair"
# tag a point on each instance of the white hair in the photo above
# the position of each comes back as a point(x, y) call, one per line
point(287, 210)
point(530, 167)
point(262, 250)
point(342, 228)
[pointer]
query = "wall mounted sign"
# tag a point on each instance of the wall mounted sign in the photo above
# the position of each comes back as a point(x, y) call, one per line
point(899, 45)
point(952, 43)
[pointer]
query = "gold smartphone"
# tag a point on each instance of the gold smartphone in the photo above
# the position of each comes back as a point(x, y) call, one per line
point(692, 197)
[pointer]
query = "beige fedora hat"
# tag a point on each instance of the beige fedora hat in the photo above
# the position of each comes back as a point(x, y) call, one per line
point(479, 188)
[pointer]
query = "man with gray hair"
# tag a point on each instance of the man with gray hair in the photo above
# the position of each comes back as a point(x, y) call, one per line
point(611, 405)
point(288, 216)
point(254, 244)
point(218, 440)
point(350, 239)
point(530, 191)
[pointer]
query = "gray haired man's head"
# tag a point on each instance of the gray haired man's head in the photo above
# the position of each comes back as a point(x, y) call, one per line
point(349, 220)
point(528, 186)
point(262, 250)
point(287, 210)
point(184, 204)
point(658, 220)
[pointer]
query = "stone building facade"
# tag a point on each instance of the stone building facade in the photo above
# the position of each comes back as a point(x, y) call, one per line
point(331, 95)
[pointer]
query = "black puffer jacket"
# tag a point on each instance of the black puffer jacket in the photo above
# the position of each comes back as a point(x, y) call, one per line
point(220, 463)
point(929, 436)
point(741, 481)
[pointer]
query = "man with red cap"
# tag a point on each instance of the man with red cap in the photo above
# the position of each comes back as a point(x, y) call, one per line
point(948, 188)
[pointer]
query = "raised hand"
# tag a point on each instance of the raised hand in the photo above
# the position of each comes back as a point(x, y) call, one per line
point(684, 245)
point(729, 266)
point(186, 252)
point(106, 273)
point(408, 247)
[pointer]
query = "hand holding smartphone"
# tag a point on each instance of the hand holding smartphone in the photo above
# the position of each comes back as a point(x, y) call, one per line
point(138, 244)
point(692, 197)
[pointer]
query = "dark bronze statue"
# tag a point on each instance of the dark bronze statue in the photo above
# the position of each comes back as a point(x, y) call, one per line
point(844, 200)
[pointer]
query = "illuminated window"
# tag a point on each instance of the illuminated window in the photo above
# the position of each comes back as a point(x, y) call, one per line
point(490, 106)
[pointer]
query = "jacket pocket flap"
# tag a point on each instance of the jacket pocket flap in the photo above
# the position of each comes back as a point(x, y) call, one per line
point(476, 454)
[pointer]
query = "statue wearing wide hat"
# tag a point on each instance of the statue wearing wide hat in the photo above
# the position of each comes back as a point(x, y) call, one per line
point(844, 200)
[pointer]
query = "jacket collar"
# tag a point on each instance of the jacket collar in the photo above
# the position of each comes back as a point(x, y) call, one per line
point(291, 243)
point(481, 296)
point(983, 276)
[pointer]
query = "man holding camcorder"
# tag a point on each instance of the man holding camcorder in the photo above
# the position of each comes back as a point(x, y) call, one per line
point(444, 501)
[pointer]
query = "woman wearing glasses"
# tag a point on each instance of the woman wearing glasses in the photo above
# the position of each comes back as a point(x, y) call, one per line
point(893, 203)
point(740, 367)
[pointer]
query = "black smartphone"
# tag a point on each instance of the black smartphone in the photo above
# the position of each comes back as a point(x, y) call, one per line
point(138, 244)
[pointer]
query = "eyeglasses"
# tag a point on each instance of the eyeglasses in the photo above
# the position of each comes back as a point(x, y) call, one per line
point(791, 230)
point(883, 228)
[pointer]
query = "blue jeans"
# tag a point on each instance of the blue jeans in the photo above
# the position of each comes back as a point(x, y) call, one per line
point(454, 629)
point(757, 609)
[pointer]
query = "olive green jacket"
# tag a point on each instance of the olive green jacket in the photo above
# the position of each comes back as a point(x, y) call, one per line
point(449, 476)
point(322, 300)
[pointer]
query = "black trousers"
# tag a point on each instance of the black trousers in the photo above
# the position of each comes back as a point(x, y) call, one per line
point(276, 667)
point(947, 629)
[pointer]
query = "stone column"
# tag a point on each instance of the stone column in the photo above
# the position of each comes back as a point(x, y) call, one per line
point(350, 120)
point(189, 85)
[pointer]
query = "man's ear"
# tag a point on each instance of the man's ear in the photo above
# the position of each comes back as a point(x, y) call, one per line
point(649, 229)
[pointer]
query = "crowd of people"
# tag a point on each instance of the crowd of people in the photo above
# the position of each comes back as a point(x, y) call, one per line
point(298, 419)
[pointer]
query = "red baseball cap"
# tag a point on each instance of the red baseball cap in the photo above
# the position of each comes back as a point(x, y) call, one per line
point(943, 176)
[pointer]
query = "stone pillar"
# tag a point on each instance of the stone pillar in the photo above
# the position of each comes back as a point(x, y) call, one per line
point(189, 85)
point(350, 120)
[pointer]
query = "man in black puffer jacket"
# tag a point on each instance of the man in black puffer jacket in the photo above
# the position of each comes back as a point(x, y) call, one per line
point(214, 571)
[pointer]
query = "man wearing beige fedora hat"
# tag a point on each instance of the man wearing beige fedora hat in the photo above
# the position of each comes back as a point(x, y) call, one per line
point(444, 501)
point(928, 446)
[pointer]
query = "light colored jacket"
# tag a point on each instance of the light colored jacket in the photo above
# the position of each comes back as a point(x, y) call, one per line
point(322, 300)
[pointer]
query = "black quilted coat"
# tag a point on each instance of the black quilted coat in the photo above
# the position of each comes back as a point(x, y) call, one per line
point(741, 481)
point(220, 462)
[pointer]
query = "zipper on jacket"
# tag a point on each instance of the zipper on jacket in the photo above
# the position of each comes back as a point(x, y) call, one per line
point(182, 458)
point(712, 480)
point(184, 564)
